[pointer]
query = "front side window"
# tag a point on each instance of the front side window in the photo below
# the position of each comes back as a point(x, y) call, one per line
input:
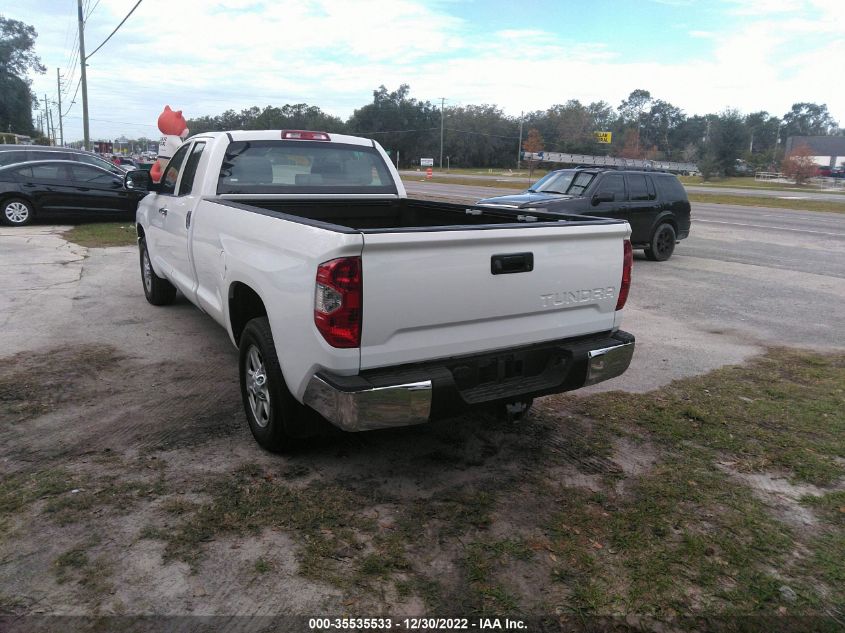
point(615, 184)
point(187, 184)
point(171, 172)
point(87, 175)
point(303, 167)
point(99, 162)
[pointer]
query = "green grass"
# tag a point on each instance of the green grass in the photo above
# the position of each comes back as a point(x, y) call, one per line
point(829, 206)
point(738, 182)
point(512, 533)
point(781, 412)
point(103, 234)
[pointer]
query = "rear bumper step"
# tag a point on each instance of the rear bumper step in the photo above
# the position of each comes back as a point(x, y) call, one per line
point(414, 394)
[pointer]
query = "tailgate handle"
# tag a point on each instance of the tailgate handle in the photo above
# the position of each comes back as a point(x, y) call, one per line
point(512, 263)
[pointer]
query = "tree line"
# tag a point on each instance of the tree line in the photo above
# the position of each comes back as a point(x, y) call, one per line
point(17, 57)
point(641, 126)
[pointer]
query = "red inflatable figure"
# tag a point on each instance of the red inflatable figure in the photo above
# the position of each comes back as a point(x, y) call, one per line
point(175, 130)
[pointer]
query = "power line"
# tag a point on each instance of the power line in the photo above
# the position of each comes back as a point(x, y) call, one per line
point(73, 99)
point(88, 15)
point(87, 57)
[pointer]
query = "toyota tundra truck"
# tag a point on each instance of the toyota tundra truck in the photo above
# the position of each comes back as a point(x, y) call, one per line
point(352, 303)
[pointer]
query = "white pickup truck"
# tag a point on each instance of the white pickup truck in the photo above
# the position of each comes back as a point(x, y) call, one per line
point(348, 299)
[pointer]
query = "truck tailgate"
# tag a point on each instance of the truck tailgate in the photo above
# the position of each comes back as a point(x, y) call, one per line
point(434, 294)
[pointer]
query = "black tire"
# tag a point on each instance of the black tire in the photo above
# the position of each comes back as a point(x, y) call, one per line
point(662, 243)
point(17, 212)
point(277, 421)
point(157, 290)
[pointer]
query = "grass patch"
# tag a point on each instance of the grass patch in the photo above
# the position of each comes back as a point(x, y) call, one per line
point(20, 490)
point(738, 182)
point(828, 206)
point(831, 506)
point(781, 412)
point(32, 385)
point(513, 185)
point(102, 234)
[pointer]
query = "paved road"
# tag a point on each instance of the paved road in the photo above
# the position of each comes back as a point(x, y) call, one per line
point(746, 279)
point(521, 183)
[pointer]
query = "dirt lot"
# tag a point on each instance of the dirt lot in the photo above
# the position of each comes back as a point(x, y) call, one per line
point(131, 484)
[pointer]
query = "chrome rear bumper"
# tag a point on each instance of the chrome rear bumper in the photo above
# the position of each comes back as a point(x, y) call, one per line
point(368, 409)
point(415, 394)
point(608, 362)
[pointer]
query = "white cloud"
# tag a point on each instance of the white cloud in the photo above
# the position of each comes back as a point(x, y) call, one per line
point(206, 56)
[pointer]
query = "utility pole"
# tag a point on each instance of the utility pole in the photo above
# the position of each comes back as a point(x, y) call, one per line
point(519, 147)
point(83, 77)
point(442, 101)
point(47, 116)
point(52, 127)
point(59, 92)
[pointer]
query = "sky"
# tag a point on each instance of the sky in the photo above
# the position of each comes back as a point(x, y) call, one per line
point(207, 56)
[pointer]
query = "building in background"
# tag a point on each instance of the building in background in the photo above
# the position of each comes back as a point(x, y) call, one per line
point(827, 151)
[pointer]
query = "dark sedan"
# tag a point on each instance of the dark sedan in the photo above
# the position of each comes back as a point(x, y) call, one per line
point(63, 189)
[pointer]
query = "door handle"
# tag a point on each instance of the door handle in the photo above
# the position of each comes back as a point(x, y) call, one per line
point(188, 219)
point(163, 211)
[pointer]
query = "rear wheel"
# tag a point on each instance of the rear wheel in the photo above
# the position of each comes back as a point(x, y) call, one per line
point(157, 290)
point(275, 418)
point(662, 243)
point(17, 212)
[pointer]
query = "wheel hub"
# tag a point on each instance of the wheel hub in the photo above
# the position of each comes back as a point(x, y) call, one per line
point(16, 212)
point(258, 392)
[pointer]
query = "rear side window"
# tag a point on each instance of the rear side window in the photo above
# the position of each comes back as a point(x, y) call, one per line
point(12, 157)
point(187, 183)
point(671, 188)
point(637, 187)
point(48, 171)
point(303, 167)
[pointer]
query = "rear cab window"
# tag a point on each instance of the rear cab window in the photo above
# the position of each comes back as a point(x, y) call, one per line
point(282, 166)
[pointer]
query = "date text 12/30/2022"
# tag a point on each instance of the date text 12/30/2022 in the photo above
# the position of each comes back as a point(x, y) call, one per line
point(415, 624)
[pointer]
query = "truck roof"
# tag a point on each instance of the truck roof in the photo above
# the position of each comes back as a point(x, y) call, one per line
point(276, 135)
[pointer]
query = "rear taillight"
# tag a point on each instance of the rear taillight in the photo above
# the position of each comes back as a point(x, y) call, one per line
point(337, 301)
point(305, 135)
point(627, 265)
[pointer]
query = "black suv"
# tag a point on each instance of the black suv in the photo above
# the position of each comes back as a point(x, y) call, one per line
point(12, 154)
point(655, 204)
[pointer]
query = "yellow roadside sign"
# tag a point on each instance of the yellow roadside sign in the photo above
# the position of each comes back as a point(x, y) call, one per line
point(603, 137)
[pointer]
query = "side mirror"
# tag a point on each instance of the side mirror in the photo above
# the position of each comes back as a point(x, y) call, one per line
point(139, 180)
point(603, 196)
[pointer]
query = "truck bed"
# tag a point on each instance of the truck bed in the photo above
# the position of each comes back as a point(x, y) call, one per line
point(372, 216)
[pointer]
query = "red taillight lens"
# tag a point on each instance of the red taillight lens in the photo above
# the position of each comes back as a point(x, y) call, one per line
point(337, 301)
point(305, 135)
point(627, 265)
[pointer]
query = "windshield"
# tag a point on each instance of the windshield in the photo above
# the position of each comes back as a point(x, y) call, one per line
point(565, 181)
point(303, 167)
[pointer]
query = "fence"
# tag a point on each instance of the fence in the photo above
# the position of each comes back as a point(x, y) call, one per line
point(611, 161)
